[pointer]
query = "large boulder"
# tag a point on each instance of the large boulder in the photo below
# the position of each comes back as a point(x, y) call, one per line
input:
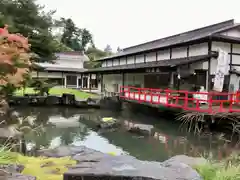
point(109, 122)
point(17, 176)
point(12, 172)
point(94, 164)
point(183, 159)
point(141, 129)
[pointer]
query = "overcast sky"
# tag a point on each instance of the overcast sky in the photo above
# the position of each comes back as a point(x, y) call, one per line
point(129, 22)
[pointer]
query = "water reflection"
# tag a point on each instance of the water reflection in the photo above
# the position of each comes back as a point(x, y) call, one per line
point(62, 126)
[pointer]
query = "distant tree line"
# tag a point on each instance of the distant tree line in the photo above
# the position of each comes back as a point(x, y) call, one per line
point(46, 34)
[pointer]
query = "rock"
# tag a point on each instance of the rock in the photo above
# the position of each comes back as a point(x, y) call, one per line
point(12, 168)
point(61, 122)
point(52, 100)
point(4, 174)
point(143, 129)
point(126, 166)
point(20, 177)
point(190, 161)
point(94, 164)
point(108, 122)
point(68, 99)
point(63, 151)
point(10, 132)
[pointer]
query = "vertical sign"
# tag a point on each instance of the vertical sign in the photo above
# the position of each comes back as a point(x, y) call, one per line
point(221, 70)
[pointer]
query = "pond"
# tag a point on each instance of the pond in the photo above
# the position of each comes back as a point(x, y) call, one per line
point(62, 126)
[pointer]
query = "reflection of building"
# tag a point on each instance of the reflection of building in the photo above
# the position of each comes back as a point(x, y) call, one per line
point(175, 145)
point(67, 70)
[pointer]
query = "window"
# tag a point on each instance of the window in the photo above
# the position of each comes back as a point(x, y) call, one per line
point(57, 81)
point(72, 80)
point(80, 82)
point(94, 83)
point(85, 82)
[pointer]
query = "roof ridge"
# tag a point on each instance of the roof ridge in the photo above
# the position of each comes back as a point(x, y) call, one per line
point(226, 23)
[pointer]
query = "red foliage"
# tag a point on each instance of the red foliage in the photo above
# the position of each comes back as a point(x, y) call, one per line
point(13, 47)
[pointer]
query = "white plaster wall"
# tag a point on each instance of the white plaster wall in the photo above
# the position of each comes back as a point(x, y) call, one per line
point(122, 61)
point(236, 48)
point(150, 57)
point(104, 64)
point(140, 58)
point(163, 55)
point(109, 63)
point(134, 79)
point(77, 64)
point(48, 75)
point(116, 62)
point(224, 46)
point(71, 60)
point(198, 49)
point(130, 60)
point(236, 60)
point(179, 52)
point(110, 79)
point(234, 80)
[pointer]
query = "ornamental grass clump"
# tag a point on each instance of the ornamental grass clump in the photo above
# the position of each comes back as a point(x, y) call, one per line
point(6, 157)
point(228, 169)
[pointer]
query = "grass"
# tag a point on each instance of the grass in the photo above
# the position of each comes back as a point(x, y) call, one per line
point(225, 170)
point(58, 91)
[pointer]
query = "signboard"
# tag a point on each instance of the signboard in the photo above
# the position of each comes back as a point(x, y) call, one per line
point(221, 70)
point(163, 100)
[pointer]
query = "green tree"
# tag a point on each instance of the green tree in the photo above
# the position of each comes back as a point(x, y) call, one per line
point(94, 54)
point(29, 19)
point(75, 38)
point(108, 50)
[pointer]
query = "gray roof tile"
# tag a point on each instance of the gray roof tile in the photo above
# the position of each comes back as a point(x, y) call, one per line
point(177, 39)
point(162, 63)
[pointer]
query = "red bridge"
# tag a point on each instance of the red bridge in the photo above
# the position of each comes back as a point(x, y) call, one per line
point(207, 102)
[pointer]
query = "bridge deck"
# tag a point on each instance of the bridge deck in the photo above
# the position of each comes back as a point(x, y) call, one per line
point(208, 102)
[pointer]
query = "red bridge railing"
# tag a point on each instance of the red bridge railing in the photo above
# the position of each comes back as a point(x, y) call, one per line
point(209, 102)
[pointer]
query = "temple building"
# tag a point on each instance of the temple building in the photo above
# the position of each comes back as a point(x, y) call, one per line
point(67, 71)
point(208, 57)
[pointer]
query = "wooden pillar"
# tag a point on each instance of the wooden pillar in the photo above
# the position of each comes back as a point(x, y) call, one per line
point(90, 82)
point(81, 81)
point(171, 83)
point(63, 80)
point(123, 79)
point(101, 79)
point(209, 79)
point(178, 79)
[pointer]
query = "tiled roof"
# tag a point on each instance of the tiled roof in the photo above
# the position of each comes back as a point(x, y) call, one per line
point(162, 63)
point(185, 37)
point(58, 67)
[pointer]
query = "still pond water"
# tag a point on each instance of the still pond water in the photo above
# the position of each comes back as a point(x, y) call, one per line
point(63, 126)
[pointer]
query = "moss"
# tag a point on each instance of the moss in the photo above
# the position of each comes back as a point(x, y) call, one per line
point(42, 168)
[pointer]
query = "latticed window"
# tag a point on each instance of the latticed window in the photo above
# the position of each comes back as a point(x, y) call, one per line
point(72, 80)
